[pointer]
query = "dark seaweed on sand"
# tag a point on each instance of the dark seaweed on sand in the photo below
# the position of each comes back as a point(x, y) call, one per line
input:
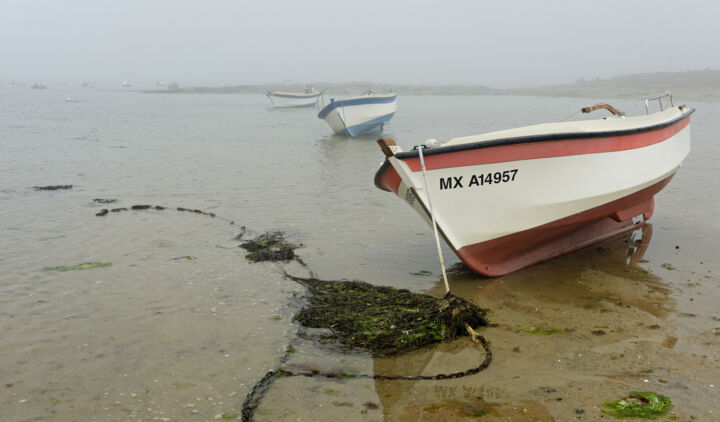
point(269, 246)
point(360, 316)
point(384, 320)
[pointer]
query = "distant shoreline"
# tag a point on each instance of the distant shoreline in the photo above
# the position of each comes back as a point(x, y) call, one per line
point(700, 85)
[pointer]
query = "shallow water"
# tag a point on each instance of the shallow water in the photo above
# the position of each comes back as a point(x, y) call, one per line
point(159, 335)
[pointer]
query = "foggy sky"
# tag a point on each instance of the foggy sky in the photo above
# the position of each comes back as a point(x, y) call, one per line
point(507, 43)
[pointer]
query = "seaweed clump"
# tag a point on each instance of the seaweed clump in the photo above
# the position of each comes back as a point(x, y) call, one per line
point(269, 246)
point(647, 405)
point(53, 187)
point(384, 320)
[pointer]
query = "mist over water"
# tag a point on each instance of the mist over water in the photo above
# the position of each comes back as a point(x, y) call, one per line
point(495, 44)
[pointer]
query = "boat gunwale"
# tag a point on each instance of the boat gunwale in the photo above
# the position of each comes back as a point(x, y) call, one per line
point(359, 100)
point(541, 138)
point(299, 95)
point(570, 136)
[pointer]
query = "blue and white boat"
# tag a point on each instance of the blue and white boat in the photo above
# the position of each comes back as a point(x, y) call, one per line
point(353, 114)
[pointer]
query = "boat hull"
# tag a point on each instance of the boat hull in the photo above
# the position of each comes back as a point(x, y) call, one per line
point(289, 100)
point(357, 116)
point(510, 253)
point(504, 205)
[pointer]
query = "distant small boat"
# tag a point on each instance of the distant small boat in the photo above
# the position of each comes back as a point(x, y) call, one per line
point(281, 99)
point(509, 199)
point(15, 84)
point(354, 114)
point(127, 84)
point(72, 100)
point(38, 86)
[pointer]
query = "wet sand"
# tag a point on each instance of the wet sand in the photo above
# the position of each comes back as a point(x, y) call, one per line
point(620, 328)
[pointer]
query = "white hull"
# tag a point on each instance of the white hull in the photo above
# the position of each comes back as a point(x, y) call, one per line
point(359, 115)
point(582, 183)
point(284, 100)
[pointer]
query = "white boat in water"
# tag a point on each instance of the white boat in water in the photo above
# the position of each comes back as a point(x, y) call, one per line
point(281, 99)
point(509, 199)
point(353, 114)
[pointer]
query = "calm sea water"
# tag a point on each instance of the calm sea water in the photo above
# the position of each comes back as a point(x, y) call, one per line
point(160, 336)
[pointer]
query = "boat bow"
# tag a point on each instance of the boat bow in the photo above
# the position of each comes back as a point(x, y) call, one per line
point(508, 199)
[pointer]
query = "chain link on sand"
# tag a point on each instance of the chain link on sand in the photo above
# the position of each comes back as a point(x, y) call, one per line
point(253, 399)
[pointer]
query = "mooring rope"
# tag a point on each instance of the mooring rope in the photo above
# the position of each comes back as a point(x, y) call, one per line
point(432, 215)
point(611, 100)
point(569, 116)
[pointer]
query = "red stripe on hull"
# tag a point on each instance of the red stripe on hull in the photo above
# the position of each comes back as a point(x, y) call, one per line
point(546, 149)
point(390, 180)
point(518, 250)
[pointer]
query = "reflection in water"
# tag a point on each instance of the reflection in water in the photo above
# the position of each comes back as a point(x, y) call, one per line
point(638, 244)
point(595, 295)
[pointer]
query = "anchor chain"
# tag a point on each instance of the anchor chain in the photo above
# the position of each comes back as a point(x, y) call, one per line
point(252, 400)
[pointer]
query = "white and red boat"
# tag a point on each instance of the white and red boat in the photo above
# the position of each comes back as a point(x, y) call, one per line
point(509, 199)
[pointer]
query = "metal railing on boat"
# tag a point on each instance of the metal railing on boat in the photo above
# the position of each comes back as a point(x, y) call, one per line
point(659, 99)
